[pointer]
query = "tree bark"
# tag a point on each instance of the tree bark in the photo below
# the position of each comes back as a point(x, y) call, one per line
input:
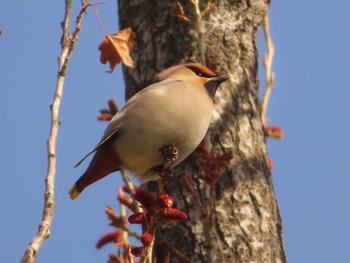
point(245, 225)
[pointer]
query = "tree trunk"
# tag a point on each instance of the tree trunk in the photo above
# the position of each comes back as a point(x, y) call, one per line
point(245, 224)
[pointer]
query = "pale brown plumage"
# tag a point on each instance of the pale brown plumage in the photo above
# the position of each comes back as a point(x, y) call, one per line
point(176, 110)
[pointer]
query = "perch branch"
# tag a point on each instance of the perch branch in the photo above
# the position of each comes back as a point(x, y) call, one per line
point(67, 47)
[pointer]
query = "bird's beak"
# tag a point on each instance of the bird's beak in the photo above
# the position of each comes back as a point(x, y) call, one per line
point(213, 83)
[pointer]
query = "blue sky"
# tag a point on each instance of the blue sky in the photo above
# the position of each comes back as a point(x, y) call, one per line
point(309, 101)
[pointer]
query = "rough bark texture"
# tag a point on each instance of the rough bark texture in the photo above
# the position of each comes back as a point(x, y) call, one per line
point(246, 221)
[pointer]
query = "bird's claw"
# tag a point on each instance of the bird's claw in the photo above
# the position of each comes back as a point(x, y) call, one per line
point(170, 153)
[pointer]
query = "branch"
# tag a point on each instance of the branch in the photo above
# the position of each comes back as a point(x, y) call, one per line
point(131, 189)
point(198, 26)
point(178, 11)
point(270, 76)
point(67, 47)
point(178, 253)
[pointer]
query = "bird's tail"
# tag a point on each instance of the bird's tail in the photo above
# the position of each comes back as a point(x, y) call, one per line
point(74, 192)
point(85, 180)
point(103, 163)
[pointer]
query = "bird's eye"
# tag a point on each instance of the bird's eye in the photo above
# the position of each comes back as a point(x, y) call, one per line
point(201, 72)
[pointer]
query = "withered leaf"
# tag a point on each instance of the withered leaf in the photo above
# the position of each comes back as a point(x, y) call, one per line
point(117, 47)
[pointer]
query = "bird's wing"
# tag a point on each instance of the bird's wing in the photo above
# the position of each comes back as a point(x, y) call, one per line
point(109, 137)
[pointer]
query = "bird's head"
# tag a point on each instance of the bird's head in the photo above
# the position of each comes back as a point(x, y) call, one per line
point(196, 72)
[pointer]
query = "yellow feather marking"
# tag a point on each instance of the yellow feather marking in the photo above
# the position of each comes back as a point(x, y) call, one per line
point(73, 192)
point(98, 146)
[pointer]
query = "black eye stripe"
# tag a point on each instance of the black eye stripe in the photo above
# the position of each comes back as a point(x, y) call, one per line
point(200, 72)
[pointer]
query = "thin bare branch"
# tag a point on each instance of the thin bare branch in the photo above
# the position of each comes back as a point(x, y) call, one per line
point(198, 26)
point(178, 253)
point(210, 224)
point(270, 76)
point(208, 7)
point(131, 189)
point(67, 47)
point(98, 18)
point(187, 183)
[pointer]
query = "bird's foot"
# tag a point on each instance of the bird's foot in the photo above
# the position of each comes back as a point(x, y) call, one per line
point(170, 154)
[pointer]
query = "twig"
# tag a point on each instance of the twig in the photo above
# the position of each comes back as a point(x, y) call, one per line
point(187, 183)
point(67, 45)
point(270, 76)
point(181, 14)
point(210, 222)
point(132, 233)
point(131, 190)
point(97, 17)
point(128, 183)
point(174, 250)
point(123, 213)
point(198, 26)
point(197, 23)
point(207, 7)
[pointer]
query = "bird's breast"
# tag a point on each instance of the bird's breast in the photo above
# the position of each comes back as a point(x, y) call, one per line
point(162, 117)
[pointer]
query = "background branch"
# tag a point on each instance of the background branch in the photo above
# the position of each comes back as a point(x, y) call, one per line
point(270, 76)
point(67, 47)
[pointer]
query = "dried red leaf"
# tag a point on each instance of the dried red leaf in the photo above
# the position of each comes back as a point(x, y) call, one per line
point(210, 164)
point(174, 214)
point(274, 132)
point(117, 47)
point(104, 115)
point(107, 115)
point(137, 251)
point(136, 218)
point(146, 239)
point(110, 237)
point(113, 108)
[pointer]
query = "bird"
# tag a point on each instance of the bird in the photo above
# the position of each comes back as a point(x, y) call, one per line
point(176, 110)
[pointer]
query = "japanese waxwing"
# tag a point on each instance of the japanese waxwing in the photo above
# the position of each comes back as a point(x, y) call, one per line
point(174, 111)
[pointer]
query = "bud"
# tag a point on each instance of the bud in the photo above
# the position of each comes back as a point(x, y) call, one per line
point(146, 239)
point(136, 218)
point(165, 201)
point(137, 251)
point(274, 132)
point(174, 214)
